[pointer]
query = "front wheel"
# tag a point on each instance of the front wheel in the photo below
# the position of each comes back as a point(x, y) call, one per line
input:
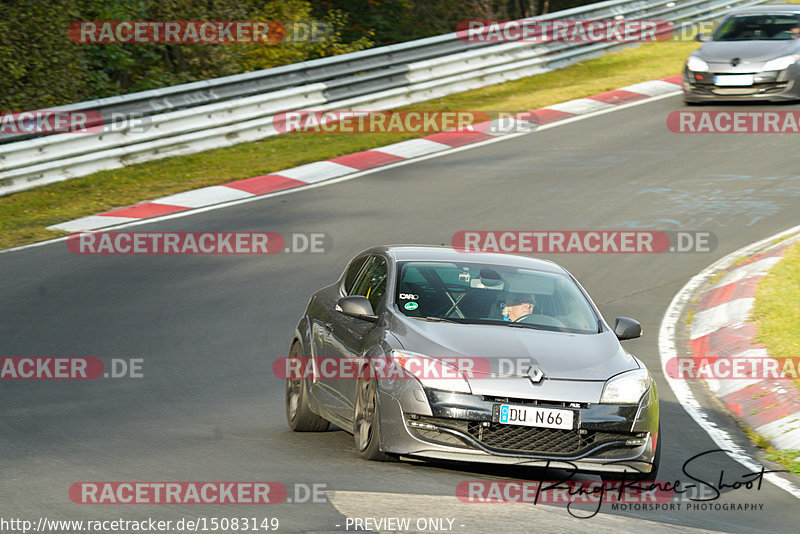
point(298, 413)
point(367, 425)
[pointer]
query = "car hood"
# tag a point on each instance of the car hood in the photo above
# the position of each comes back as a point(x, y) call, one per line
point(511, 351)
point(746, 51)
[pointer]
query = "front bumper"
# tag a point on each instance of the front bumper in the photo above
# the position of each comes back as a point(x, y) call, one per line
point(767, 86)
point(463, 427)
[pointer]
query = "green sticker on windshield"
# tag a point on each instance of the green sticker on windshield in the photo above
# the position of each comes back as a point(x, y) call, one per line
point(411, 305)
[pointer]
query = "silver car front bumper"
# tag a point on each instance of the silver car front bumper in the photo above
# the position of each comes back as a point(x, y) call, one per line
point(768, 86)
point(609, 438)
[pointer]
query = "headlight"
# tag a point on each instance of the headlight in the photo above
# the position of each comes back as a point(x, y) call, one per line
point(433, 373)
point(780, 63)
point(626, 388)
point(696, 64)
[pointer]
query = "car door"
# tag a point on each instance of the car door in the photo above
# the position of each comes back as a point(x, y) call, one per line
point(324, 383)
point(348, 333)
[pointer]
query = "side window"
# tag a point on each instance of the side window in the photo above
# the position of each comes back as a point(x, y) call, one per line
point(352, 271)
point(372, 282)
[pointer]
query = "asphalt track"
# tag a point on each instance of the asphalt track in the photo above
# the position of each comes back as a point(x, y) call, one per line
point(208, 327)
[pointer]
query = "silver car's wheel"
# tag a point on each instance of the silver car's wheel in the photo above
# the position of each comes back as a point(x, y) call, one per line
point(366, 423)
point(298, 413)
point(293, 388)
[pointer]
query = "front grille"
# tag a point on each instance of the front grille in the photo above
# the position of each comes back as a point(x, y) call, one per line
point(756, 89)
point(753, 90)
point(515, 438)
point(530, 439)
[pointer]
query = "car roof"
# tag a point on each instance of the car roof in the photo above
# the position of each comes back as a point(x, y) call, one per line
point(441, 253)
point(779, 8)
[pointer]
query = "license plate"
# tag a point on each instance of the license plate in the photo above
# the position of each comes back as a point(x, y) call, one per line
point(733, 80)
point(510, 414)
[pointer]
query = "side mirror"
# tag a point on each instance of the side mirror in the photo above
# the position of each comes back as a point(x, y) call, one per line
point(627, 328)
point(358, 307)
point(701, 37)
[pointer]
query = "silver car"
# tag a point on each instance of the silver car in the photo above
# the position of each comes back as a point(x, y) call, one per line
point(752, 55)
point(434, 353)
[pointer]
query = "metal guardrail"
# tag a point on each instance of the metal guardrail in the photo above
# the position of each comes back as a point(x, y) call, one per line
point(199, 116)
point(319, 70)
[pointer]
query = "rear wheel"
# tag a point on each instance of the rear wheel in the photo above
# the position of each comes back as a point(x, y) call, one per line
point(298, 413)
point(367, 425)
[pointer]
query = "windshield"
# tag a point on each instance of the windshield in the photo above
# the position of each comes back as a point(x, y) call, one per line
point(479, 293)
point(759, 28)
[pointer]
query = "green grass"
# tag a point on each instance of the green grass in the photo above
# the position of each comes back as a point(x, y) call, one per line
point(24, 216)
point(776, 311)
point(716, 278)
point(787, 458)
point(759, 440)
point(790, 459)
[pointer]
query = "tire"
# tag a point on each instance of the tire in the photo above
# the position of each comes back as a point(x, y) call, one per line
point(298, 413)
point(367, 422)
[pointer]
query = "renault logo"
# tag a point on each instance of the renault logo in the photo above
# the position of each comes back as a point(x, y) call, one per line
point(535, 373)
point(735, 61)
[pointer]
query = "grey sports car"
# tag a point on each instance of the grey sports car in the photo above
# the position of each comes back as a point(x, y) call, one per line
point(752, 55)
point(435, 353)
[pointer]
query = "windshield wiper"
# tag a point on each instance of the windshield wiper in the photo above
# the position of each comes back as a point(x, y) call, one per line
point(526, 325)
point(437, 320)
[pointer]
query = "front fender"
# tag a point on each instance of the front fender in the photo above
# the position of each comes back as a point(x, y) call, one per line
point(302, 334)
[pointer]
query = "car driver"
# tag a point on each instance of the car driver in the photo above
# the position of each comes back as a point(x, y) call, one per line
point(519, 306)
